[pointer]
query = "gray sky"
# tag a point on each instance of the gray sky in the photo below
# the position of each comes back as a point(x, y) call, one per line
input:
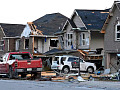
point(23, 11)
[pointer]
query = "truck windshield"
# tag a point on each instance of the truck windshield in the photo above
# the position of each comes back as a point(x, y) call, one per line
point(20, 56)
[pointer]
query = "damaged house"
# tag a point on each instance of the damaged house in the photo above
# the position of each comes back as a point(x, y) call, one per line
point(111, 30)
point(39, 35)
point(82, 33)
point(10, 37)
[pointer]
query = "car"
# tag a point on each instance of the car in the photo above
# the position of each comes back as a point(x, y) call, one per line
point(67, 63)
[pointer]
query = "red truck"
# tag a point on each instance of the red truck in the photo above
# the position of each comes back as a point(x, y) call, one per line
point(15, 63)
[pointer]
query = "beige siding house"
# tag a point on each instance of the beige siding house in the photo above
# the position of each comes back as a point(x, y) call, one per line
point(82, 32)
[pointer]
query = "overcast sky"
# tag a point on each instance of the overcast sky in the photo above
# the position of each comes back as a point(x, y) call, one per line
point(23, 11)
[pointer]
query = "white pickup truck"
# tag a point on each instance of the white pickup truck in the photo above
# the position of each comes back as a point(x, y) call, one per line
point(65, 64)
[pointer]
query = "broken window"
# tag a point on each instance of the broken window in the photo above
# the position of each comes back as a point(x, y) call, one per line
point(53, 42)
point(2, 45)
point(26, 43)
point(117, 32)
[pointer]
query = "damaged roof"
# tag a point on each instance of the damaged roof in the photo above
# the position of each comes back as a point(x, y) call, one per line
point(93, 19)
point(12, 30)
point(50, 23)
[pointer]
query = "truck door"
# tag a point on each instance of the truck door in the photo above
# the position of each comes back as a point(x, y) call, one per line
point(3, 64)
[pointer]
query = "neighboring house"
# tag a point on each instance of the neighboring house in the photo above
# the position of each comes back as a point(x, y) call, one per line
point(10, 35)
point(111, 30)
point(82, 32)
point(39, 34)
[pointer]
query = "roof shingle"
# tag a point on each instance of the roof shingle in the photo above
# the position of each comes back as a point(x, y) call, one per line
point(93, 19)
point(50, 23)
point(12, 30)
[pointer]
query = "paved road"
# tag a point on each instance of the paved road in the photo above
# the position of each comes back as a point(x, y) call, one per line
point(48, 85)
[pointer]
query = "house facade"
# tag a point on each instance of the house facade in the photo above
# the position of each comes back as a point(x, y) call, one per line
point(82, 32)
point(111, 32)
point(10, 37)
point(39, 34)
point(36, 42)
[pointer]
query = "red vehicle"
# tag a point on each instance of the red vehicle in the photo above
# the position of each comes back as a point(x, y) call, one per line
point(15, 63)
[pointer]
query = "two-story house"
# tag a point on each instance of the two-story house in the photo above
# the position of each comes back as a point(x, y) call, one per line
point(111, 30)
point(82, 32)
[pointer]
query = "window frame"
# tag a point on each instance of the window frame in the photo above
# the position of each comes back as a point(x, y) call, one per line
point(117, 32)
point(83, 39)
point(2, 45)
point(69, 39)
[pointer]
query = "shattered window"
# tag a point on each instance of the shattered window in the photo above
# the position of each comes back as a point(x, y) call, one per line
point(53, 43)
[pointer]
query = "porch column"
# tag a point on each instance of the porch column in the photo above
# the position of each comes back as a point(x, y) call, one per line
point(107, 60)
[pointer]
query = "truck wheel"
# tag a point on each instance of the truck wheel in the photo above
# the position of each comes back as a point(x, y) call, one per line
point(10, 72)
point(66, 70)
point(90, 70)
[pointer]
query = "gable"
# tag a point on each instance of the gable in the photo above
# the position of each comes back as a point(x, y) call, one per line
point(33, 29)
point(26, 32)
point(69, 22)
point(77, 20)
